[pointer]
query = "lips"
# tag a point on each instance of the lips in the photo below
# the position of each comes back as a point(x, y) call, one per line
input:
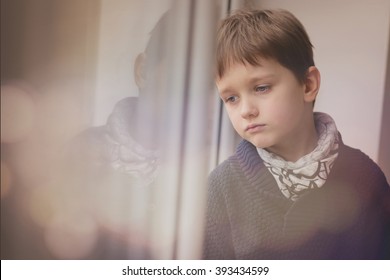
point(254, 127)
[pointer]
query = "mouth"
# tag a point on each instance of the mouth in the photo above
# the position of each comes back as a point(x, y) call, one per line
point(254, 127)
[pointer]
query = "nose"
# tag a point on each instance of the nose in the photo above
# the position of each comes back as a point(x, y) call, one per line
point(248, 109)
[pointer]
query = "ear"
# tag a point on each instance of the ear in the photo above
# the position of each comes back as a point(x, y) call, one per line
point(139, 70)
point(312, 84)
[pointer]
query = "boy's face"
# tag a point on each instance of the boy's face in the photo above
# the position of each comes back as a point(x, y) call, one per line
point(266, 104)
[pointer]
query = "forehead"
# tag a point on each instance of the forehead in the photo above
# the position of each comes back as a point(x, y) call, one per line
point(265, 67)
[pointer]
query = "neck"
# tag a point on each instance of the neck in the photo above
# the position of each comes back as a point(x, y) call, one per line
point(302, 144)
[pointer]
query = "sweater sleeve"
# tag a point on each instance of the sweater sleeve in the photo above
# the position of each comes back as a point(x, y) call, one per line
point(218, 239)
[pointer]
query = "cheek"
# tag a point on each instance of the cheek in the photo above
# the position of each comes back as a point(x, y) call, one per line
point(232, 115)
point(285, 109)
point(234, 118)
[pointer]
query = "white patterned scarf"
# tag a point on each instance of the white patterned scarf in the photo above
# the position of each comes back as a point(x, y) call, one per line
point(311, 170)
point(121, 149)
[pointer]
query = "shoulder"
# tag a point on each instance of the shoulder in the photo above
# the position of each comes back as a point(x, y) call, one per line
point(242, 168)
point(95, 143)
point(244, 156)
point(226, 174)
point(222, 173)
point(357, 160)
point(359, 169)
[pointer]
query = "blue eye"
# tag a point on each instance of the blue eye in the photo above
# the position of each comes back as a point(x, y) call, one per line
point(262, 89)
point(231, 99)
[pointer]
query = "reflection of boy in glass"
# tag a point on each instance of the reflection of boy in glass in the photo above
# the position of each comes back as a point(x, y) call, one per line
point(112, 162)
point(293, 189)
point(127, 142)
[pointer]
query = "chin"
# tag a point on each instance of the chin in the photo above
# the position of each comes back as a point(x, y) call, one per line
point(259, 144)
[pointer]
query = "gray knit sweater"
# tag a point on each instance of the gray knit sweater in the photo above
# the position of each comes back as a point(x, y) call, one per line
point(249, 218)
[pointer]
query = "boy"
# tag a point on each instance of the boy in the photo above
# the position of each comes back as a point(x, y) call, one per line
point(293, 189)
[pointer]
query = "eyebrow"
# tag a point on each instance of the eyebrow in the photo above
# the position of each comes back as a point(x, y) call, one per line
point(254, 79)
point(225, 91)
